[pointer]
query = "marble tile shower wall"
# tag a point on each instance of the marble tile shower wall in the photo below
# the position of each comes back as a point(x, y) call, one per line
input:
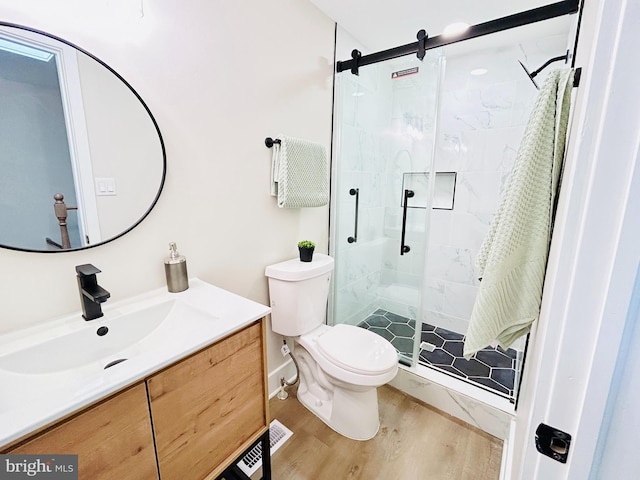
point(482, 121)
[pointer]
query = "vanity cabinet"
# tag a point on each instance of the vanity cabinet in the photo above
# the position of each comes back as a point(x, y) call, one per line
point(210, 407)
point(112, 439)
point(191, 420)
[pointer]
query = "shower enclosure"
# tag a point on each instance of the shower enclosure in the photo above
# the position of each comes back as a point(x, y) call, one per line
point(422, 150)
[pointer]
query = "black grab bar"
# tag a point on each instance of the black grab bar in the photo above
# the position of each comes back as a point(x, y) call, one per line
point(356, 192)
point(405, 248)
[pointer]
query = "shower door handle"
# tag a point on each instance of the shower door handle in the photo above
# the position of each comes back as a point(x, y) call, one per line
point(407, 195)
point(356, 192)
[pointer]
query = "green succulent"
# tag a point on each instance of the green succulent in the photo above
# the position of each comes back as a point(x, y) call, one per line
point(306, 244)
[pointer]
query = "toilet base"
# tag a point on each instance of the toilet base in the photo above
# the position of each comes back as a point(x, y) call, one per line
point(352, 413)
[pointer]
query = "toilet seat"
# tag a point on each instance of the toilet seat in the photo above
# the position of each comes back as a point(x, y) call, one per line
point(357, 350)
point(352, 354)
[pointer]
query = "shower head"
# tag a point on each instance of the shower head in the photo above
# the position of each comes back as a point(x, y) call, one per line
point(529, 74)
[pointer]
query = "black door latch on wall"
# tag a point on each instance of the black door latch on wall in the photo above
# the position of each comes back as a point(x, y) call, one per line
point(552, 442)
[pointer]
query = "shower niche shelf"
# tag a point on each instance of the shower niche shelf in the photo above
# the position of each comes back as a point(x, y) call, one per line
point(444, 189)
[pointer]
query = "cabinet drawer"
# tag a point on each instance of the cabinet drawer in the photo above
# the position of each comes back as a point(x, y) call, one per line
point(112, 439)
point(208, 406)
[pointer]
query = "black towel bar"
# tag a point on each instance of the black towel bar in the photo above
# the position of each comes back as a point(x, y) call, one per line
point(270, 141)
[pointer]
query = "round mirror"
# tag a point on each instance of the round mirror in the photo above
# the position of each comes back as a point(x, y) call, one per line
point(81, 156)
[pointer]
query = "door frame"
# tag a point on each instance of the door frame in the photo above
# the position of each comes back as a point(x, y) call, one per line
point(76, 127)
point(594, 254)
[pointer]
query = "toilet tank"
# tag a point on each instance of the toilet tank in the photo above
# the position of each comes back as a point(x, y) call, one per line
point(298, 292)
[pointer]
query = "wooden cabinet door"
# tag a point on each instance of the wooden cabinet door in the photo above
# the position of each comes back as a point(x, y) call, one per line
point(207, 408)
point(113, 439)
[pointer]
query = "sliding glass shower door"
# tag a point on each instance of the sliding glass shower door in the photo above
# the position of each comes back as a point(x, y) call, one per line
point(383, 192)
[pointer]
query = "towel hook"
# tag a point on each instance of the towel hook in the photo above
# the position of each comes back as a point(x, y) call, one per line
point(270, 141)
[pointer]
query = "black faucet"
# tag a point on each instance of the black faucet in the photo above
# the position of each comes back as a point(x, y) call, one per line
point(91, 294)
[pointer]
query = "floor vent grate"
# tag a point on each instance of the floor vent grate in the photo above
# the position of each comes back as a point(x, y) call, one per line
point(252, 461)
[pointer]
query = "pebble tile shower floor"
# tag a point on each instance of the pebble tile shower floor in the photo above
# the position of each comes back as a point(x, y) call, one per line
point(492, 368)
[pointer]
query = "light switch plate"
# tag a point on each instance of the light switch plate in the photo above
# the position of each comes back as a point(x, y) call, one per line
point(105, 186)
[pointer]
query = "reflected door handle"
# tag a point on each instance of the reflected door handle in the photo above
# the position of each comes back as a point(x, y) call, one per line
point(405, 248)
point(356, 192)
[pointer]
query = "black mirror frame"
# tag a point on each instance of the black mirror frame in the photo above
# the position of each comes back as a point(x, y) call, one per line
point(155, 124)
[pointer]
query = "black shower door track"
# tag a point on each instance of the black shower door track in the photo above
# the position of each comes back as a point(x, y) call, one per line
point(424, 43)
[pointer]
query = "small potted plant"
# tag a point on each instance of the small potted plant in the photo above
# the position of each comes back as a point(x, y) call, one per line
point(305, 247)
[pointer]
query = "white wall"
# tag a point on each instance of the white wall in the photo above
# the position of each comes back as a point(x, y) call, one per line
point(219, 77)
point(616, 449)
point(124, 146)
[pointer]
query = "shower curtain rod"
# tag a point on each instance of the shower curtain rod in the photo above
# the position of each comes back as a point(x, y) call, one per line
point(424, 43)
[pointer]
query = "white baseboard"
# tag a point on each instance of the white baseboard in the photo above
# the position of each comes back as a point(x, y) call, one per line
point(507, 454)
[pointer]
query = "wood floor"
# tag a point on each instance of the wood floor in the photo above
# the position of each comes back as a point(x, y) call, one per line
point(415, 442)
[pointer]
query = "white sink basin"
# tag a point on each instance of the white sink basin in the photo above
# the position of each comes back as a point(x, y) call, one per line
point(127, 335)
point(62, 365)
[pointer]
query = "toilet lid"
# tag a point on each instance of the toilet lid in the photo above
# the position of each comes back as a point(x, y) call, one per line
point(357, 350)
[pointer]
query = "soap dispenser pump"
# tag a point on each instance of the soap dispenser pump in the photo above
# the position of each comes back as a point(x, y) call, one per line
point(175, 269)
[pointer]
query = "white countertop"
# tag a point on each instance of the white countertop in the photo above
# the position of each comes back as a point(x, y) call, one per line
point(42, 380)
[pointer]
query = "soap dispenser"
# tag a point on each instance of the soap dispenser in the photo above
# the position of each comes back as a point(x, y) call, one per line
point(175, 269)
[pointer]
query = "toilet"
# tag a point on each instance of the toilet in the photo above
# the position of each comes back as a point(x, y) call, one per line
point(340, 367)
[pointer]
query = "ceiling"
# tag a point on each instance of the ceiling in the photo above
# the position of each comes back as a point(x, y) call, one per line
point(383, 24)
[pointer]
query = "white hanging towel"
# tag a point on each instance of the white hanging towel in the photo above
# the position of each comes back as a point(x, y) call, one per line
point(513, 257)
point(299, 173)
